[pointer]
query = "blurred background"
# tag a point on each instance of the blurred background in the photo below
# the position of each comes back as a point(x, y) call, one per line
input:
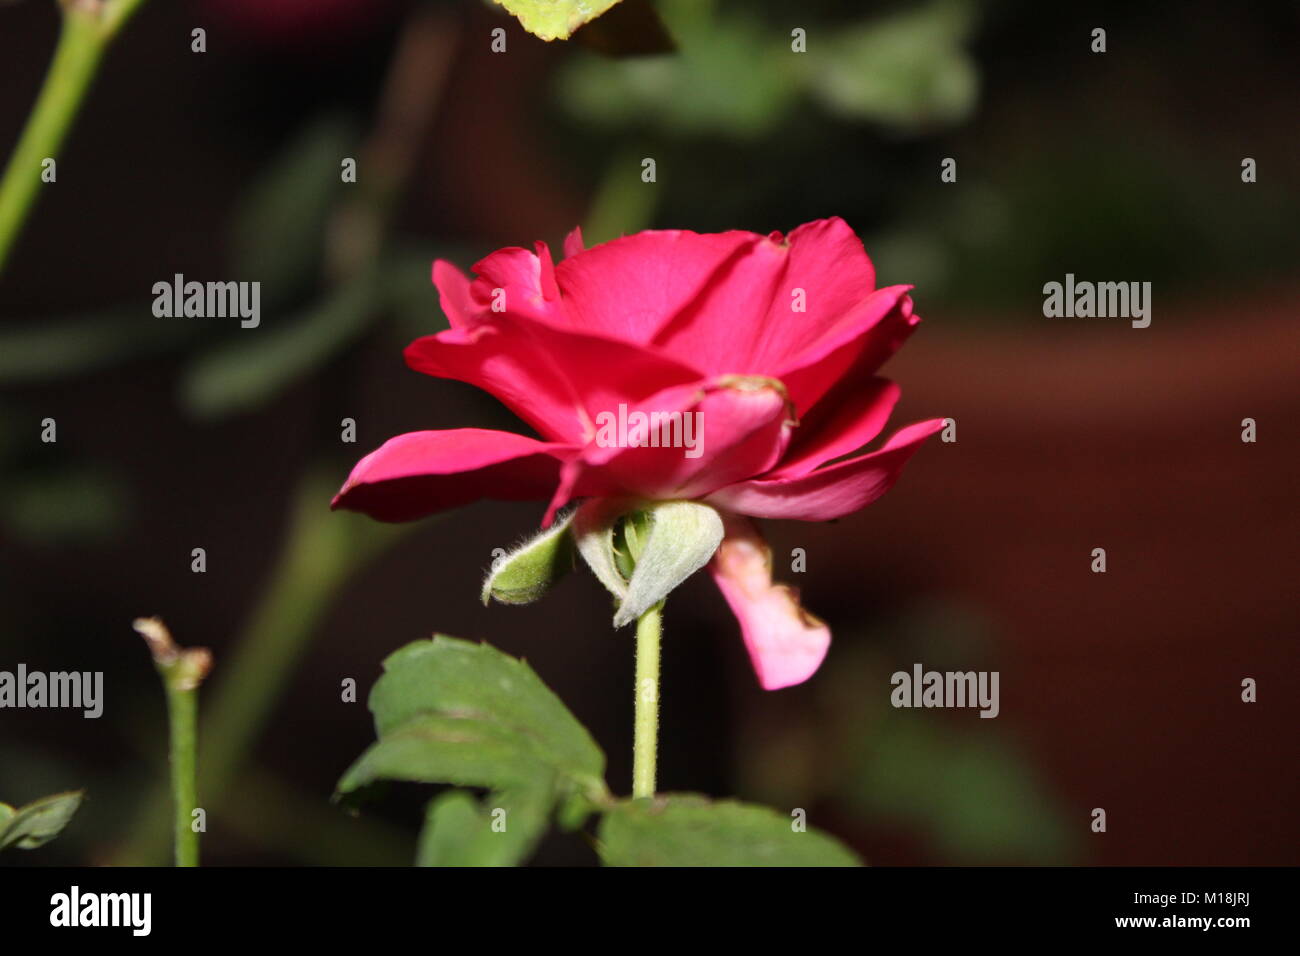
point(1119, 690)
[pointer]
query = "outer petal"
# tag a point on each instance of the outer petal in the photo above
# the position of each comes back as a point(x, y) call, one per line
point(629, 288)
point(454, 294)
point(745, 322)
point(786, 644)
point(845, 420)
point(419, 473)
point(556, 380)
point(739, 427)
point(522, 282)
point(828, 492)
point(857, 346)
point(573, 243)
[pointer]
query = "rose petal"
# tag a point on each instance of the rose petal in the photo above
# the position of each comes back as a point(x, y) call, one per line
point(628, 288)
point(786, 644)
point(738, 427)
point(830, 492)
point(419, 473)
point(454, 294)
point(573, 243)
point(849, 417)
point(556, 380)
point(745, 321)
point(856, 347)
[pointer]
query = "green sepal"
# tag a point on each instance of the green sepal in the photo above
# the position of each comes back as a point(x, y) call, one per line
point(528, 572)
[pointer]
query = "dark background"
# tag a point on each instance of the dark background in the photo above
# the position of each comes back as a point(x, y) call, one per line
point(1119, 691)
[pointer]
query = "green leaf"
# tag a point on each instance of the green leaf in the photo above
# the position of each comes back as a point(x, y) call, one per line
point(555, 19)
point(38, 822)
point(525, 574)
point(691, 830)
point(450, 711)
point(501, 830)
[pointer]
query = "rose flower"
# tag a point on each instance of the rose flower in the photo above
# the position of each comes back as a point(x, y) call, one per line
point(733, 371)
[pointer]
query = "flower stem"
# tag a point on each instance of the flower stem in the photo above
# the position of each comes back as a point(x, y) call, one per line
point(182, 670)
point(182, 712)
point(645, 739)
point(88, 28)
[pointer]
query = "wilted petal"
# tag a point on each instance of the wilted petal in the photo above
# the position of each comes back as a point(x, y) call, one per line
point(786, 644)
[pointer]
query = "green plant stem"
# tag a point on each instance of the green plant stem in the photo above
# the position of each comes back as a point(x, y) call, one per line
point(645, 738)
point(182, 715)
point(182, 670)
point(320, 551)
point(88, 28)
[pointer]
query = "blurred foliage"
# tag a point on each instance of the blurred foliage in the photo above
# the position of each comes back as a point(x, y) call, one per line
point(736, 75)
point(47, 498)
point(991, 244)
point(56, 507)
point(281, 227)
point(963, 782)
point(973, 795)
point(62, 348)
point(258, 363)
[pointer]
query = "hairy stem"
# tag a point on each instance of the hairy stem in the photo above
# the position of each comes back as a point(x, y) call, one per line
point(645, 740)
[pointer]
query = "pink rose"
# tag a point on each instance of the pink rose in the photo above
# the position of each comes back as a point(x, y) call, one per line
point(767, 345)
